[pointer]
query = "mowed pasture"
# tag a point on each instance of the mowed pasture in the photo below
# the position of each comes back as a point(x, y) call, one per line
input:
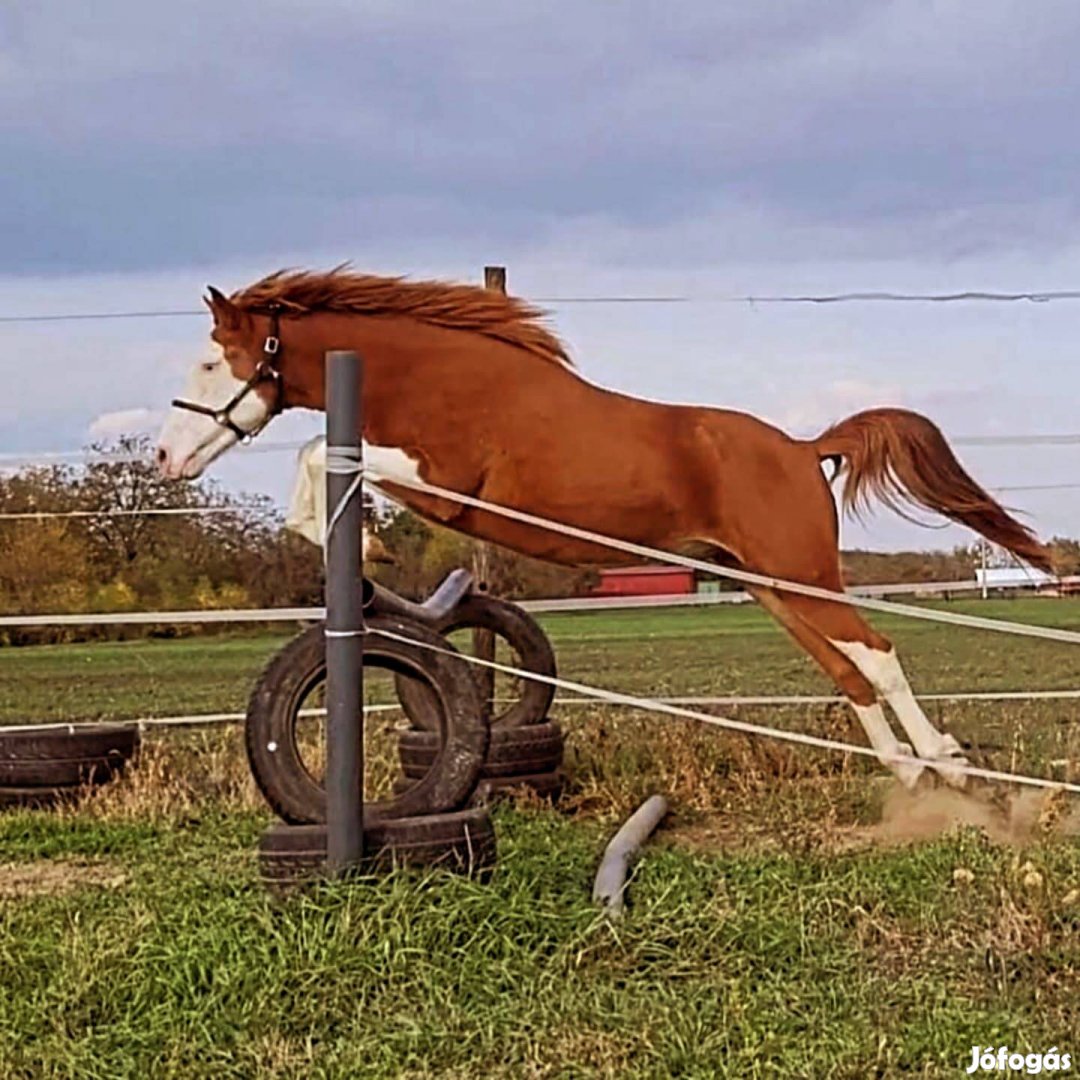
point(795, 916)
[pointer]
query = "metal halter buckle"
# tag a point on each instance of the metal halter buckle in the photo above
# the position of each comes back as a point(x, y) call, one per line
point(264, 369)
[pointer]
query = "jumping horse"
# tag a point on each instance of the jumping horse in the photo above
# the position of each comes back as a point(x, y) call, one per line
point(467, 389)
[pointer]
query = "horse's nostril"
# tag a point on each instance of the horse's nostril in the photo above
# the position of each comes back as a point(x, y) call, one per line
point(162, 457)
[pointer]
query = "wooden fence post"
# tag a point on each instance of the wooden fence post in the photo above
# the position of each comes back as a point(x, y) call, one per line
point(484, 640)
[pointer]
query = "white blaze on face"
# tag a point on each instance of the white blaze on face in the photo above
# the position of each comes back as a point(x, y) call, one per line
point(189, 441)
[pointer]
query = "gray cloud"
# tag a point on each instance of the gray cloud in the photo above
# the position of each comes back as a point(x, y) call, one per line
point(139, 136)
point(709, 148)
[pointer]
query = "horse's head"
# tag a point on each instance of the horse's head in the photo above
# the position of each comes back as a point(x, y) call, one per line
point(231, 394)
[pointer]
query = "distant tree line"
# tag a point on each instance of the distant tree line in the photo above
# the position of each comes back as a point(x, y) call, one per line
point(960, 564)
point(241, 555)
point(237, 556)
point(876, 567)
point(108, 560)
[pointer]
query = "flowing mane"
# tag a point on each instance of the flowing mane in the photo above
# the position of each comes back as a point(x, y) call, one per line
point(456, 307)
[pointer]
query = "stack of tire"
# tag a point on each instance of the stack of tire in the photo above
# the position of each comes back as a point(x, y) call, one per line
point(525, 749)
point(428, 823)
point(455, 759)
point(42, 768)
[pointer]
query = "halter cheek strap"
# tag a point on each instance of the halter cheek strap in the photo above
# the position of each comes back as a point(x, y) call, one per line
point(265, 370)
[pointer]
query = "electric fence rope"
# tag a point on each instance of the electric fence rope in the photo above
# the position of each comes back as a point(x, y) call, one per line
point(742, 726)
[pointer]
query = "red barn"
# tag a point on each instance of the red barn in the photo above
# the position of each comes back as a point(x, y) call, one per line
point(645, 581)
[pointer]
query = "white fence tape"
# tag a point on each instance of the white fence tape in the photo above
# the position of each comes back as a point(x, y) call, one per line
point(137, 618)
point(742, 726)
point(147, 723)
point(170, 511)
point(207, 719)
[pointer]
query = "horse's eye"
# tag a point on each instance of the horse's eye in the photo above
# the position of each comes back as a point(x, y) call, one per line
point(209, 367)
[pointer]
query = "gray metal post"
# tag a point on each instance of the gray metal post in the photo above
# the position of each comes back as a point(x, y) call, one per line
point(344, 615)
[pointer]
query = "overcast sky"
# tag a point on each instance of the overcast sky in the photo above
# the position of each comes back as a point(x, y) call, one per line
point(708, 148)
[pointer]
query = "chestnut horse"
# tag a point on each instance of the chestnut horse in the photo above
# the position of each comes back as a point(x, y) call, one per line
point(466, 389)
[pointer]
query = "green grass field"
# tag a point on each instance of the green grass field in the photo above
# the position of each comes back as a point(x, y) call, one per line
point(794, 917)
point(723, 650)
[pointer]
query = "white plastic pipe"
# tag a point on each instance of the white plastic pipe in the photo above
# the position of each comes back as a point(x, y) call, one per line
point(609, 889)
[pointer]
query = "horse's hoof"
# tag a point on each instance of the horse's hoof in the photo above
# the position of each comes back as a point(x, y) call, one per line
point(907, 772)
point(950, 762)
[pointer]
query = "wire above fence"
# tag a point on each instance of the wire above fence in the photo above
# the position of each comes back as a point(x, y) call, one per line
point(747, 577)
point(270, 511)
point(172, 511)
point(46, 458)
point(82, 458)
point(871, 296)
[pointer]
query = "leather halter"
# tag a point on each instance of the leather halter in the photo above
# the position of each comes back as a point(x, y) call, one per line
point(265, 369)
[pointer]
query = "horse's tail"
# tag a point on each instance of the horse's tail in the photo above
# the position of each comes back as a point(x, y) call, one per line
point(901, 457)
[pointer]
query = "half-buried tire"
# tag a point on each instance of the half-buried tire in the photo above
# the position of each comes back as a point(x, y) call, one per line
point(279, 769)
point(512, 752)
point(67, 757)
point(36, 797)
point(546, 785)
point(464, 842)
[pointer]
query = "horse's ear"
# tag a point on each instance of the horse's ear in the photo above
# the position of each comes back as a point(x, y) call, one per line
point(227, 316)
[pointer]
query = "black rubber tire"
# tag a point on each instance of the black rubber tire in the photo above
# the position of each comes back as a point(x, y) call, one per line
point(547, 785)
point(524, 751)
point(270, 729)
point(65, 756)
point(58, 773)
point(80, 741)
point(463, 841)
point(522, 633)
point(36, 797)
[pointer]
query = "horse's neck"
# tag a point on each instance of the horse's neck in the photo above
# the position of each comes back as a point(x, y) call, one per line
point(372, 340)
point(405, 360)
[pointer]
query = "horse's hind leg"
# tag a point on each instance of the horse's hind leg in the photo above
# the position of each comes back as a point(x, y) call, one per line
point(876, 659)
point(852, 682)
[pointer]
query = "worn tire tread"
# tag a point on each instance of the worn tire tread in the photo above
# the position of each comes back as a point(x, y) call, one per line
point(292, 793)
point(523, 633)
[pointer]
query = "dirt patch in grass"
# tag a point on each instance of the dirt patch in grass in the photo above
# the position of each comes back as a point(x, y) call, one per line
point(826, 816)
point(52, 877)
point(1012, 819)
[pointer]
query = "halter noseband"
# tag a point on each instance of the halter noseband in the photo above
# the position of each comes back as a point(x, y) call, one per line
point(265, 369)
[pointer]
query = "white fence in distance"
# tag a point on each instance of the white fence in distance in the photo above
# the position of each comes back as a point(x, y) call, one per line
point(573, 603)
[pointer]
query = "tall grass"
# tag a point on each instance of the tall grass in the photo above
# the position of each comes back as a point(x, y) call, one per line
point(776, 927)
